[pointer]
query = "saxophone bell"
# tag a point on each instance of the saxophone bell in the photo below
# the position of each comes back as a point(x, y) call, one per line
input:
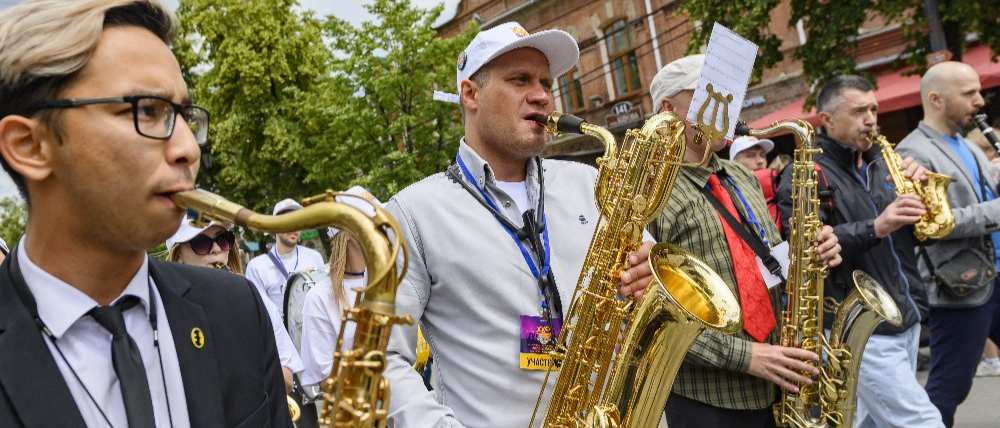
point(618, 357)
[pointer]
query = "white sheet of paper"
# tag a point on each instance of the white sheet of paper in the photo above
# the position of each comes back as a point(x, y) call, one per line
point(728, 63)
point(779, 252)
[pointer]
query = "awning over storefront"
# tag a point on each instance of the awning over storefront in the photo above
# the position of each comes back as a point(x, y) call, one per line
point(895, 91)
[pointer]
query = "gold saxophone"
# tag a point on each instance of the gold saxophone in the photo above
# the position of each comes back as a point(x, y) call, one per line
point(618, 357)
point(355, 394)
point(830, 400)
point(939, 221)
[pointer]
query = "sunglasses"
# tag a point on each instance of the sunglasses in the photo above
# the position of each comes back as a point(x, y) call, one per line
point(202, 244)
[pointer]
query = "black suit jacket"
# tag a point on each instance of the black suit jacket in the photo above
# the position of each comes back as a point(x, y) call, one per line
point(234, 380)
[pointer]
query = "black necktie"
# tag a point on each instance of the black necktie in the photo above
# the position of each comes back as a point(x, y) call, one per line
point(128, 362)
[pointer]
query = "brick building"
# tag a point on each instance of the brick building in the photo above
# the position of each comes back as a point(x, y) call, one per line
point(623, 43)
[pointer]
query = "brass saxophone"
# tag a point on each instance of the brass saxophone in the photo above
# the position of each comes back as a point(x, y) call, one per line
point(939, 221)
point(617, 357)
point(830, 400)
point(355, 394)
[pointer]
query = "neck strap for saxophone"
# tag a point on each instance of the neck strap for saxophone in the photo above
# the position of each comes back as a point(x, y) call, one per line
point(752, 239)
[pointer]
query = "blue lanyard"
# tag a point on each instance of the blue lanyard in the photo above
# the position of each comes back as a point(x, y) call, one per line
point(278, 256)
point(753, 219)
point(524, 251)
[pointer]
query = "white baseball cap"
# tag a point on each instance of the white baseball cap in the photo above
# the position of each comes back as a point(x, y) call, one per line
point(185, 233)
point(677, 76)
point(356, 203)
point(558, 46)
point(742, 143)
point(286, 205)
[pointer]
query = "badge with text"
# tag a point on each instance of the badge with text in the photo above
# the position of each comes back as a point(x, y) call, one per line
point(538, 338)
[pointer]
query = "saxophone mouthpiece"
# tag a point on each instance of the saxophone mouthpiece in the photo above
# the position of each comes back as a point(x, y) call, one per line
point(742, 129)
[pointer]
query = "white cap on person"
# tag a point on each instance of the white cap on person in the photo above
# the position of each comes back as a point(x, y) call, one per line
point(185, 233)
point(558, 46)
point(286, 206)
point(681, 74)
point(742, 143)
point(356, 202)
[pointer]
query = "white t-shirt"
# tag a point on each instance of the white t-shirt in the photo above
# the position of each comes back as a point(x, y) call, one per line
point(517, 191)
point(269, 280)
point(321, 318)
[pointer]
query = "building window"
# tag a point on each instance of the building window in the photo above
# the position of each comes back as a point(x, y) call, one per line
point(571, 91)
point(624, 65)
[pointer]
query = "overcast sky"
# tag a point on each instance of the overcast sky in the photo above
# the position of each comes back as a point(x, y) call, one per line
point(351, 10)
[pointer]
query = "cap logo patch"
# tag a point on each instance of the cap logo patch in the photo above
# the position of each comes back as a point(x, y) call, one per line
point(519, 32)
point(462, 59)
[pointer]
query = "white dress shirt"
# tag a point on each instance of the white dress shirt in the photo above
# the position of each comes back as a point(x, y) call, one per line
point(321, 316)
point(262, 272)
point(87, 347)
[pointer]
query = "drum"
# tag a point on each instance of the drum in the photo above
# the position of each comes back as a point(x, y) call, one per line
point(296, 288)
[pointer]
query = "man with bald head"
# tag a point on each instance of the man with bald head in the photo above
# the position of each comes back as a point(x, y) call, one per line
point(960, 269)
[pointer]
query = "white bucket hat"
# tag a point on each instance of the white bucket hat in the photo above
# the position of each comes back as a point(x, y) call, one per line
point(558, 46)
point(356, 203)
point(681, 74)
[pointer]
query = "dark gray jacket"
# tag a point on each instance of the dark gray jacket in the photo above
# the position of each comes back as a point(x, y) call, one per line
point(857, 201)
point(974, 220)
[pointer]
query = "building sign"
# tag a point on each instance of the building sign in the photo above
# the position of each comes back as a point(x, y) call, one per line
point(621, 109)
point(624, 116)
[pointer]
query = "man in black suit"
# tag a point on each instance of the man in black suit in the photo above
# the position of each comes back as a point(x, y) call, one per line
point(97, 130)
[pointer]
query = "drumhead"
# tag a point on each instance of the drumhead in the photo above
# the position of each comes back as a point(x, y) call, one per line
point(296, 288)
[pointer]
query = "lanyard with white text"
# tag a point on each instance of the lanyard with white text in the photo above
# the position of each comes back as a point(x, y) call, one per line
point(541, 274)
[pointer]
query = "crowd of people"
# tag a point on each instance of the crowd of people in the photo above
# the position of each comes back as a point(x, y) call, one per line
point(96, 333)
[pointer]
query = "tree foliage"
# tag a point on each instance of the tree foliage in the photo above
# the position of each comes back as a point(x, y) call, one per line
point(300, 104)
point(388, 131)
point(13, 217)
point(832, 28)
point(251, 62)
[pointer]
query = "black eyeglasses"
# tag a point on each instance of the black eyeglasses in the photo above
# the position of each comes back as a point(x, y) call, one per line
point(202, 244)
point(154, 117)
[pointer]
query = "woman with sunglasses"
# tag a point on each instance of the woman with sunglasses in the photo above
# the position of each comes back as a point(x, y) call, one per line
point(215, 246)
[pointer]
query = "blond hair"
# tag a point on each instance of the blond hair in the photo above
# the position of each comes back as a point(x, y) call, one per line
point(338, 261)
point(47, 42)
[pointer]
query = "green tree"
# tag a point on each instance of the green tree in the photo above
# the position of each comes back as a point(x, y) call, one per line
point(832, 28)
point(13, 217)
point(385, 131)
point(251, 62)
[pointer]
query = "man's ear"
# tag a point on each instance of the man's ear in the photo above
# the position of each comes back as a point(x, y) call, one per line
point(25, 147)
point(934, 98)
point(825, 119)
point(666, 105)
point(469, 95)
